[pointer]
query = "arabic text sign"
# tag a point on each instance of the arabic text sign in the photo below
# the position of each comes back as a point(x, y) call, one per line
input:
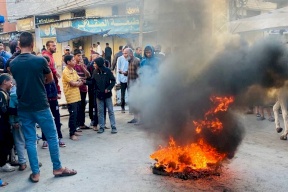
point(130, 24)
point(45, 19)
point(49, 30)
point(25, 24)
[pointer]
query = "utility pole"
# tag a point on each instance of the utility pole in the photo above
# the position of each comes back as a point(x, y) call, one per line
point(141, 21)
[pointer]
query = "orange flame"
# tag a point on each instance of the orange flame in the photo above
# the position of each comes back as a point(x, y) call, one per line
point(196, 155)
point(222, 104)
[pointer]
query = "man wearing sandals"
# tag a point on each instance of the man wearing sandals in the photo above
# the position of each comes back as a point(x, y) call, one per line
point(33, 106)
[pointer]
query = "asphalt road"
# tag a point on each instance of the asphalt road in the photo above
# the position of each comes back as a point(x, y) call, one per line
point(120, 162)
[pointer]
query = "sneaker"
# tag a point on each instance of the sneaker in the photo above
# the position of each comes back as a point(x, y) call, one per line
point(250, 111)
point(14, 163)
point(101, 130)
point(78, 129)
point(7, 168)
point(114, 130)
point(271, 119)
point(133, 121)
point(45, 145)
point(258, 115)
point(106, 127)
point(123, 110)
point(138, 123)
point(279, 129)
point(261, 118)
point(64, 107)
point(61, 143)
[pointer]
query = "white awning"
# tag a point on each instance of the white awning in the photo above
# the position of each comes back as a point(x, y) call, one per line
point(277, 19)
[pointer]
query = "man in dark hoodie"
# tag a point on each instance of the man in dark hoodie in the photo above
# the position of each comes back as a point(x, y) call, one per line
point(103, 81)
point(150, 61)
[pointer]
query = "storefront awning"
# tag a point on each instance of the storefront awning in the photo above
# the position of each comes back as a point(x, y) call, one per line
point(276, 19)
point(68, 33)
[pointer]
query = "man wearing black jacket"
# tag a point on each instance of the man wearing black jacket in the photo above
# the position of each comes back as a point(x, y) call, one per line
point(103, 81)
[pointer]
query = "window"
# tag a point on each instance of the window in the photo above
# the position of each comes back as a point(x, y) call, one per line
point(81, 13)
point(115, 10)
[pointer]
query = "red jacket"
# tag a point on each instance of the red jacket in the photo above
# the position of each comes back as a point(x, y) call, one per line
point(52, 67)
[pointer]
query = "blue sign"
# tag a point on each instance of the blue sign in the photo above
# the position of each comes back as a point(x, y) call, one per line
point(2, 19)
point(117, 25)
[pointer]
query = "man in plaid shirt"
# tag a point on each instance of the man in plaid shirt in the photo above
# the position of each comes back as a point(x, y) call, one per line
point(133, 66)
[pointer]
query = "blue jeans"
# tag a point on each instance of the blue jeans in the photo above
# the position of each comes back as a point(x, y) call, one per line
point(19, 144)
point(101, 112)
point(45, 120)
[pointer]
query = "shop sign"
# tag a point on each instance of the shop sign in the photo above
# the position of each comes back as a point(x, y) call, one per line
point(49, 30)
point(46, 19)
point(132, 8)
point(128, 23)
point(9, 37)
point(25, 24)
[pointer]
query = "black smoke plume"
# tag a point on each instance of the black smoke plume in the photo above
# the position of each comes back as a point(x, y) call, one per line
point(180, 93)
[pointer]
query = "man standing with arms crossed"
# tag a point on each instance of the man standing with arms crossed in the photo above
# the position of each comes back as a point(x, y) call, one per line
point(33, 106)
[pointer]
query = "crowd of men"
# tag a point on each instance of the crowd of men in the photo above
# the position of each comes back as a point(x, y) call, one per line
point(24, 108)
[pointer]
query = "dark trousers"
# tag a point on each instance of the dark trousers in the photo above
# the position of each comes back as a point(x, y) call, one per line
point(54, 107)
point(3, 154)
point(5, 148)
point(108, 58)
point(93, 110)
point(91, 103)
point(73, 109)
point(123, 91)
point(81, 115)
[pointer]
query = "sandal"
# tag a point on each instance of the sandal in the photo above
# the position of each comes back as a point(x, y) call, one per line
point(95, 128)
point(74, 138)
point(283, 137)
point(77, 134)
point(84, 127)
point(66, 172)
point(32, 179)
point(22, 167)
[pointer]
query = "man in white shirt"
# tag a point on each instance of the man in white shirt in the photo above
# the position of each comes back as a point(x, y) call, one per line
point(99, 49)
point(122, 66)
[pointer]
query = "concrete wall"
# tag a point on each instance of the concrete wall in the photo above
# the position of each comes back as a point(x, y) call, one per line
point(99, 11)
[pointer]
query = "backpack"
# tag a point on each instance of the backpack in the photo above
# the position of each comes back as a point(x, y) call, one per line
point(3, 60)
point(51, 90)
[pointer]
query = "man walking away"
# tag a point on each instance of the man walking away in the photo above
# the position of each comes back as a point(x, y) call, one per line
point(108, 52)
point(116, 56)
point(99, 49)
